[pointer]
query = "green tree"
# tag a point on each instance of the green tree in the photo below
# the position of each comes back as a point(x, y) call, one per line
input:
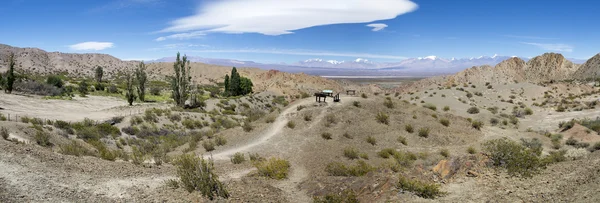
point(246, 86)
point(10, 78)
point(130, 94)
point(54, 81)
point(99, 74)
point(141, 76)
point(180, 82)
point(234, 83)
point(83, 88)
point(226, 84)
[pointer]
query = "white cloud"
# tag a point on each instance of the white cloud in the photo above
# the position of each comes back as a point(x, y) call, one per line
point(552, 47)
point(182, 36)
point(96, 46)
point(377, 26)
point(297, 52)
point(277, 17)
point(527, 37)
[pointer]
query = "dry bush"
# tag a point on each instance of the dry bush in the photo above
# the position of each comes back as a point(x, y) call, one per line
point(330, 120)
point(446, 108)
point(291, 124)
point(409, 128)
point(208, 145)
point(402, 140)
point(346, 196)
point(477, 124)
point(4, 133)
point(220, 141)
point(383, 118)
point(388, 103)
point(421, 189)
point(473, 110)
point(196, 174)
point(307, 117)
point(430, 106)
point(351, 153)
point(347, 135)
point(274, 168)
point(238, 158)
point(339, 169)
point(326, 135)
point(445, 122)
point(42, 138)
point(471, 150)
point(516, 158)
point(75, 149)
point(371, 140)
point(445, 153)
point(356, 104)
point(247, 127)
point(424, 132)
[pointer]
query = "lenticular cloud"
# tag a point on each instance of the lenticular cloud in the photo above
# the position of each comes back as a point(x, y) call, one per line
point(276, 17)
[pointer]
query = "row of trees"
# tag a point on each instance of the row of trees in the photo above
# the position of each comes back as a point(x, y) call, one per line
point(237, 85)
point(139, 77)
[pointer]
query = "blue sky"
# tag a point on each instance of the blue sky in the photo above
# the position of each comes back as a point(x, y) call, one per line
point(273, 31)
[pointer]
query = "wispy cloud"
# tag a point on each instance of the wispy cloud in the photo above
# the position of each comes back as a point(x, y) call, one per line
point(96, 46)
point(277, 17)
point(179, 46)
point(377, 26)
point(182, 36)
point(552, 47)
point(123, 4)
point(297, 52)
point(527, 37)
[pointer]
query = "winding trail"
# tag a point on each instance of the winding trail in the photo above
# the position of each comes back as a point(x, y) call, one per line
point(271, 131)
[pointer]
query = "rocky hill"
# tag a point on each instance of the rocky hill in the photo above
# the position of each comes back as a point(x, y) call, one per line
point(589, 69)
point(33, 60)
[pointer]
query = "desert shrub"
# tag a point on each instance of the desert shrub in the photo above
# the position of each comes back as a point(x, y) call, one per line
point(477, 124)
point(155, 91)
point(130, 130)
point(409, 128)
point(424, 132)
point(25, 119)
point(339, 169)
point(388, 103)
point(270, 119)
point(595, 147)
point(191, 124)
point(2, 116)
point(330, 119)
point(326, 135)
point(363, 95)
point(445, 153)
point(208, 145)
point(220, 141)
point(445, 122)
point(42, 138)
point(494, 121)
point(473, 110)
point(386, 153)
point(55, 81)
point(371, 140)
point(280, 100)
point(421, 189)
point(493, 110)
point(356, 104)
point(364, 156)
point(347, 135)
point(514, 120)
point(560, 108)
point(247, 127)
point(469, 95)
point(300, 107)
point(37, 88)
point(534, 144)
point(478, 94)
point(430, 106)
point(174, 117)
point(4, 133)
point(136, 120)
point(104, 152)
point(196, 174)
point(446, 108)
point(346, 196)
point(75, 149)
point(554, 157)
point(238, 158)
point(516, 158)
point(471, 150)
point(255, 157)
point(402, 140)
point(274, 168)
point(106, 129)
point(291, 124)
point(150, 117)
point(351, 153)
point(382, 117)
point(528, 111)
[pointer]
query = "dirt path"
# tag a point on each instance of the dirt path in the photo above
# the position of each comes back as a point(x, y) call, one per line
point(273, 130)
point(549, 120)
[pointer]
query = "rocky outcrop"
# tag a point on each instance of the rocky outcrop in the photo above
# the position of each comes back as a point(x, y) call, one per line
point(590, 69)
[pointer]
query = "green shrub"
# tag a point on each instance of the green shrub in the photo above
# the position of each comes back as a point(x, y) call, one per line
point(351, 153)
point(388, 103)
point(208, 145)
point(106, 129)
point(386, 153)
point(274, 168)
point(409, 128)
point(469, 95)
point(445, 122)
point(446, 108)
point(421, 189)
point(516, 158)
point(307, 117)
point(493, 110)
point(356, 104)
point(430, 106)
point(382, 118)
point(25, 119)
point(300, 107)
point(291, 124)
point(136, 120)
point(330, 119)
point(238, 158)
point(326, 135)
point(4, 133)
point(131, 130)
point(471, 150)
point(494, 121)
point(424, 132)
point(445, 153)
point(473, 110)
point(42, 138)
point(528, 111)
point(402, 140)
point(247, 127)
point(339, 169)
point(74, 149)
point(347, 196)
point(220, 141)
point(477, 124)
point(363, 95)
point(371, 140)
point(104, 152)
point(196, 174)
